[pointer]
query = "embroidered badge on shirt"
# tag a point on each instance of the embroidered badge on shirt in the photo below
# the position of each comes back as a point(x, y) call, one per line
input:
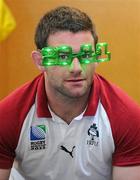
point(94, 135)
point(38, 137)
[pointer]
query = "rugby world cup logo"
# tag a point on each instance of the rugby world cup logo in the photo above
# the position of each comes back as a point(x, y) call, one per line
point(38, 137)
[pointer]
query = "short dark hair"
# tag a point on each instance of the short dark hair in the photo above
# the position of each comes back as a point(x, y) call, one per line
point(63, 19)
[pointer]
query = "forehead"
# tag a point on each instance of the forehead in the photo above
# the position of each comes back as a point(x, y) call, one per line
point(72, 39)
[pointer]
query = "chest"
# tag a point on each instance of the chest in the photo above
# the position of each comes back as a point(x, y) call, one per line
point(51, 150)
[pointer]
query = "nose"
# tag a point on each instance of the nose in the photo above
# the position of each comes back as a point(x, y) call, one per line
point(75, 66)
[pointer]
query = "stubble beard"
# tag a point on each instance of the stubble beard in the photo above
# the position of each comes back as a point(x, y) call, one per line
point(68, 95)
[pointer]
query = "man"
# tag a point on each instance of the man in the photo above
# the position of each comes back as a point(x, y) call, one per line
point(69, 122)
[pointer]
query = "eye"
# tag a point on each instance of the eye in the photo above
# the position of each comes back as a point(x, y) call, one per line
point(63, 56)
point(86, 55)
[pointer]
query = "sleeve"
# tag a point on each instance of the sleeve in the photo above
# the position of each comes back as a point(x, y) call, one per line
point(7, 136)
point(126, 135)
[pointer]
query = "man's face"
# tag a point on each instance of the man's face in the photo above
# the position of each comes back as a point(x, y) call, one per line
point(73, 80)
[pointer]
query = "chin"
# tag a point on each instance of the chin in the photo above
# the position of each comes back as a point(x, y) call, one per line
point(73, 92)
point(77, 94)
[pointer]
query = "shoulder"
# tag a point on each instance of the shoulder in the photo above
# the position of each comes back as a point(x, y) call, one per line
point(115, 100)
point(21, 97)
point(120, 108)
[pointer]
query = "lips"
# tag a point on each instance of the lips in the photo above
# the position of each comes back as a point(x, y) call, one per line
point(75, 80)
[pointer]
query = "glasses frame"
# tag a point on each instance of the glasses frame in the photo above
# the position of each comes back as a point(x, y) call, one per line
point(52, 56)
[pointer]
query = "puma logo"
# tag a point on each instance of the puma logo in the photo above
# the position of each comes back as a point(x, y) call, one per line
point(67, 151)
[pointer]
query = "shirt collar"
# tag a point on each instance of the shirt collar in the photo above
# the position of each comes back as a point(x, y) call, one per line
point(58, 119)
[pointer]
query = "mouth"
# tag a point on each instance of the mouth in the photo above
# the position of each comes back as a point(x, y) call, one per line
point(75, 80)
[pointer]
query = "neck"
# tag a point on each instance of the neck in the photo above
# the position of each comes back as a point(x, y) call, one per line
point(67, 110)
point(65, 107)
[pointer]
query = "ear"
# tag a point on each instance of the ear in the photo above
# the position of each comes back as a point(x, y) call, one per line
point(37, 58)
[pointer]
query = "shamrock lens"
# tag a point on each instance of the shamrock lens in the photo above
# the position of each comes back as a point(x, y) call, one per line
point(102, 53)
point(86, 54)
point(64, 55)
point(49, 56)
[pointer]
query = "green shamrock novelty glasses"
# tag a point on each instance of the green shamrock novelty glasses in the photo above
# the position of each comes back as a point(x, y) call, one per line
point(63, 55)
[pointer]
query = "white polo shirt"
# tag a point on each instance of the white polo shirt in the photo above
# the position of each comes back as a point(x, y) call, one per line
point(47, 148)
